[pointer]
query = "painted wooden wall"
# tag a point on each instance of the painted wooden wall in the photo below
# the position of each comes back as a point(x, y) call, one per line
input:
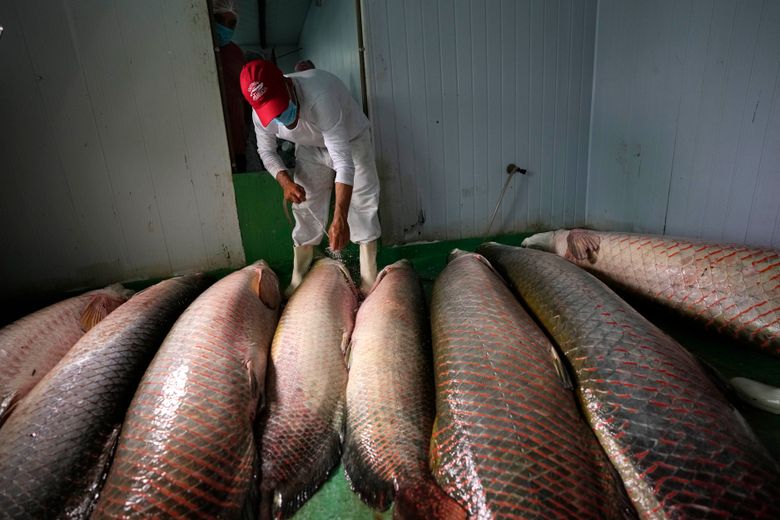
point(329, 38)
point(459, 89)
point(686, 119)
point(113, 158)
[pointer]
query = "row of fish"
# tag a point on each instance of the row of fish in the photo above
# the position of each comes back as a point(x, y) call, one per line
point(732, 289)
point(509, 441)
point(497, 432)
point(680, 447)
point(186, 447)
point(657, 440)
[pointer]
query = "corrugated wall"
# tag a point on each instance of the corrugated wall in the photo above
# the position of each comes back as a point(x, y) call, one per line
point(113, 154)
point(329, 39)
point(686, 119)
point(458, 89)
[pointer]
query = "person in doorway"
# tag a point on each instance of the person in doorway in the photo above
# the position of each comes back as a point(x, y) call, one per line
point(314, 110)
point(231, 60)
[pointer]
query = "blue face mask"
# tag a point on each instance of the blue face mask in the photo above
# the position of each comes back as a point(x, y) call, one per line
point(287, 117)
point(224, 34)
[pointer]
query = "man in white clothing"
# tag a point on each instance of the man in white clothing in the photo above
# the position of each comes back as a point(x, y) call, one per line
point(314, 110)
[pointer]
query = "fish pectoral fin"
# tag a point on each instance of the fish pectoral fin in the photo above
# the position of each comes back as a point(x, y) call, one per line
point(560, 369)
point(99, 307)
point(266, 287)
point(582, 245)
point(253, 380)
point(7, 405)
point(348, 355)
point(433, 447)
point(346, 338)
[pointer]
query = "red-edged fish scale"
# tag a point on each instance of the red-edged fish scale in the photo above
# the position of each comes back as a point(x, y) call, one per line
point(390, 394)
point(733, 289)
point(680, 447)
point(509, 441)
point(31, 346)
point(54, 447)
point(186, 448)
point(307, 379)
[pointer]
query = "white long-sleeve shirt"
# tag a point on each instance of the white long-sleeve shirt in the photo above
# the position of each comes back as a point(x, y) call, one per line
point(328, 117)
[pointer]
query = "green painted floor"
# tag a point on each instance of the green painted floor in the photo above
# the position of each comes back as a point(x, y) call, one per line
point(266, 234)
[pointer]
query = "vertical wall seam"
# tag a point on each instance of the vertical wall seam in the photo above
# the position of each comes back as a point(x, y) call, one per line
point(729, 201)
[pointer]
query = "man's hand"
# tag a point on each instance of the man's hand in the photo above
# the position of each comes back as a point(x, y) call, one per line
point(292, 192)
point(338, 234)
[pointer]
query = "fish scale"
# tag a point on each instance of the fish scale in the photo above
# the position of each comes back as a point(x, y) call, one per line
point(679, 445)
point(186, 448)
point(302, 425)
point(54, 448)
point(509, 441)
point(732, 289)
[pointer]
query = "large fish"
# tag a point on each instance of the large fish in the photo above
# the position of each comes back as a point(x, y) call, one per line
point(679, 445)
point(509, 441)
point(55, 447)
point(31, 346)
point(307, 378)
point(390, 400)
point(732, 289)
point(186, 448)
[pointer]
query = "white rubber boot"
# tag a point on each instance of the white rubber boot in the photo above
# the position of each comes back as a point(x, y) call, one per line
point(302, 257)
point(367, 266)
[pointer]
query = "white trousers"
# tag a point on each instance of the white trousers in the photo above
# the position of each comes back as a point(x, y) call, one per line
point(314, 171)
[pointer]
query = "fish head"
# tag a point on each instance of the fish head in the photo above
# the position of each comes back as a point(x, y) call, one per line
point(550, 241)
point(543, 241)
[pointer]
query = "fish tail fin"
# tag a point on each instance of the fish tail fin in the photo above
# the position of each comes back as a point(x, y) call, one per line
point(290, 495)
point(364, 480)
point(426, 500)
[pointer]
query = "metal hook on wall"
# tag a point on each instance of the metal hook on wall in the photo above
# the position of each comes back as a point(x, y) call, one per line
point(511, 170)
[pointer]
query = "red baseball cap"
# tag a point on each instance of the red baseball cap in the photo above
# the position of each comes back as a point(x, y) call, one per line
point(262, 84)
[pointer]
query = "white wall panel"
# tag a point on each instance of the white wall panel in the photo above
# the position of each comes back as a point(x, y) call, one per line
point(329, 38)
point(685, 133)
point(459, 89)
point(113, 153)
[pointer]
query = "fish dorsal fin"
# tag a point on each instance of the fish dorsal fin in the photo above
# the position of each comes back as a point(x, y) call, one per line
point(582, 245)
point(266, 286)
point(560, 369)
point(99, 307)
